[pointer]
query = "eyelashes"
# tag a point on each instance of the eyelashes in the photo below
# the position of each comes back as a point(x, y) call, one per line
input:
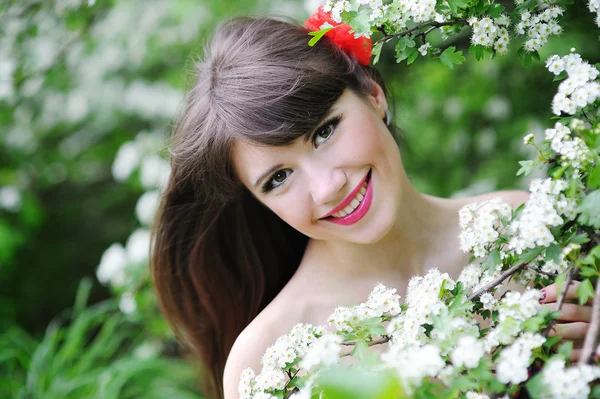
point(320, 136)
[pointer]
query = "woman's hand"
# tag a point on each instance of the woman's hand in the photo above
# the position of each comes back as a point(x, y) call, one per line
point(574, 319)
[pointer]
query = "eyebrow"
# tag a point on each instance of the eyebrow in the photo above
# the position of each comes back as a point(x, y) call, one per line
point(306, 137)
point(322, 122)
point(267, 173)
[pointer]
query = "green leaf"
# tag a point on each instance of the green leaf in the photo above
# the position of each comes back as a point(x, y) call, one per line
point(518, 211)
point(317, 36)
point(376, 52)
point(585, 291)
point(588, 271)
point(492, 260)
point(530, 255)
point(578, 239)
point(551, 341)
point(590, 210)
point(594, 177)
point(450, 57)
point(561, 76)
point(345, 383)
point(403, 43)
point(564, 350)
point(455, 5)
point(526, 167)
point(536, 387)
point(553, 253)
point(495, 10)
point(479, 51)
point(360, 348)
point(412, 56)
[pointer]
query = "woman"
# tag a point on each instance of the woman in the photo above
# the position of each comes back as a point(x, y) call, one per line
point(288, 197)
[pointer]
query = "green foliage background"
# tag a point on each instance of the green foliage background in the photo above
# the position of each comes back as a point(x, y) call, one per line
point(61, 332)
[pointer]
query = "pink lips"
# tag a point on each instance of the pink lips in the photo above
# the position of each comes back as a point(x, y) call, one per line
point(360, 211)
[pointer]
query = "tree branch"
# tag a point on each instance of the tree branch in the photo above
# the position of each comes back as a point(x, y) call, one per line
point(431, 24)
point(515, 268)
point(591, 337)
point(561, 299)
point(379, 341)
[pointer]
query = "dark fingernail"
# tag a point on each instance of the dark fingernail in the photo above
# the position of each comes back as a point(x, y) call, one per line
point(543, 296)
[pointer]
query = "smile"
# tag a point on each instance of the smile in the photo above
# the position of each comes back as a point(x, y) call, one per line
point(355, 206)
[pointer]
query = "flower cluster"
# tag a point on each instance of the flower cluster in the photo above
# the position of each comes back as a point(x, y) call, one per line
point(545, 209)
point(572, 150)
point(579, 88)
point(513, 310)
point(537, 27)
point(480, 225)
point(415, 363)
point(570, 383)
point(490, 32)
point(286, 350)
point(423, 301)
point(381, 301)
point(514, 360)
point(594, 6)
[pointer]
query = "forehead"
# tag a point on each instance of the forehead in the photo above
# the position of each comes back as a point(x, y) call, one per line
point(250, 160)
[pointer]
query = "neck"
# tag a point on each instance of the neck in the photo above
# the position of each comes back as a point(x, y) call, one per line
point(424, 235)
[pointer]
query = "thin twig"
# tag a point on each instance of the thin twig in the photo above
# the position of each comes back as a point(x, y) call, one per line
point(591, 337)
point(561, 299)
point(549, 275)
point(433, 24)
point(515, 268)
point(379, 341)
point(293, 391)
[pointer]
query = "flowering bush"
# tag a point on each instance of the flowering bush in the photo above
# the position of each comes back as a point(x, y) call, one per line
point(433, 344)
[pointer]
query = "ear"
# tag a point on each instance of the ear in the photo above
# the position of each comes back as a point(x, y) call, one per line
point(379, 100)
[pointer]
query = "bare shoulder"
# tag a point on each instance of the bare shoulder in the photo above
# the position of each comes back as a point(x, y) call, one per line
point(513, 197)
point(249, 347)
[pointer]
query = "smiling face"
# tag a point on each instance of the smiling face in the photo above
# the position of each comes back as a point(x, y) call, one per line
point(340, 182)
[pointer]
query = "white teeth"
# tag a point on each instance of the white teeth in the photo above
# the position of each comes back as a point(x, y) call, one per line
point(353, 204)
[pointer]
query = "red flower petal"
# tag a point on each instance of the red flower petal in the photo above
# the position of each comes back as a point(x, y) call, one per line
point(361, 48)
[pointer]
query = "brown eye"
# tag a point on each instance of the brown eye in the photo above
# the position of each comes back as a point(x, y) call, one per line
point(326, 131)
point(279, 176)
point(277, 179)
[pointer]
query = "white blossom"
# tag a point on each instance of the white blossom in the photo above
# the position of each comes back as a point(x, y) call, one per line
point(112, 266)
point(514, 360)
point(10, 198)
point(146, 207)
point(138, 246)
point(324, 351)
point(481, 224)
point(579, 88)
point(568, 383)
point(414, 364)
point(468, 352)
point(127, 303)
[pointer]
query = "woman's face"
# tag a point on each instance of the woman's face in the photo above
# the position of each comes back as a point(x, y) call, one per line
point(341, 184)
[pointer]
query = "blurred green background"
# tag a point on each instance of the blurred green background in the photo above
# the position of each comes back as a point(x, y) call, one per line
point(88, 92)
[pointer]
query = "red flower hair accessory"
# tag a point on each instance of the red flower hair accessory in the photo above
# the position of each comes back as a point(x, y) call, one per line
point(360, 48)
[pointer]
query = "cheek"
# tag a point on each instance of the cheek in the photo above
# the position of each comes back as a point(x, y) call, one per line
point(365, 142)
point(294, 210)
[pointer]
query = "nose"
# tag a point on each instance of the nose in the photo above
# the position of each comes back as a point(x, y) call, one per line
point(325, 184)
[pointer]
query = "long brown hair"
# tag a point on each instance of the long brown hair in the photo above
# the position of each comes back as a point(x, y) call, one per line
point(219, 255)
